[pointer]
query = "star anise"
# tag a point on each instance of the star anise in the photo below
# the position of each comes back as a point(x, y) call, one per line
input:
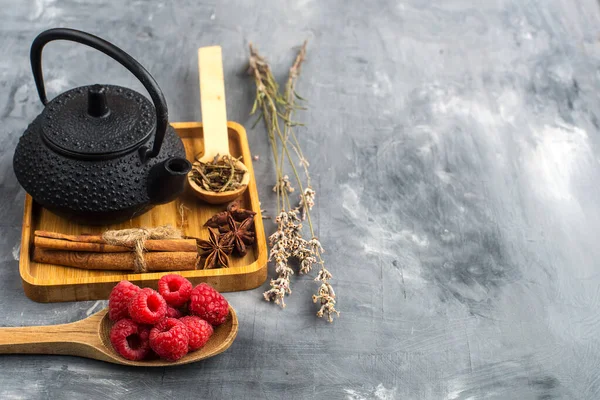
point(216, 249)
point(239, 214)
point(239, 234)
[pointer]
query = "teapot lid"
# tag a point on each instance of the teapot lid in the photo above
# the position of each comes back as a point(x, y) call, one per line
point(98, 122)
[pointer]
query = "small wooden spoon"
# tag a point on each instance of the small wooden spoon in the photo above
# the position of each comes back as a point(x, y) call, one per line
point(214, 123)
point(90, 338)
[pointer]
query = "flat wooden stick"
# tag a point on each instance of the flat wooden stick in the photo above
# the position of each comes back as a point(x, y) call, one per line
point(212, 102)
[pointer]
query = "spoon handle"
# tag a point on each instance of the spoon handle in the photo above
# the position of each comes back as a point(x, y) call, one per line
point(77, 339)
point(212, 101)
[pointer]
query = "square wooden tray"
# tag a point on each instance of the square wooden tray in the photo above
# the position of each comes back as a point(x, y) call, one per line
point(53, 283)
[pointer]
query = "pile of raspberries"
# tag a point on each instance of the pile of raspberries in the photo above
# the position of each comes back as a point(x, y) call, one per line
point(169, 323)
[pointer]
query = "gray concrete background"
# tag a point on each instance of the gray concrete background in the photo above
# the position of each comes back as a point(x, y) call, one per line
point(454, 146)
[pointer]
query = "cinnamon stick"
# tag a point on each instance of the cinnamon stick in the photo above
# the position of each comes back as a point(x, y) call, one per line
point(72, 238)
point(60, 244)
point(94, 243)
point(155, 261)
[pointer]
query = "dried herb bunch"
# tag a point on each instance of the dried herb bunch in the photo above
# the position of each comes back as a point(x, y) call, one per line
point(276, 109)
point(218, 175)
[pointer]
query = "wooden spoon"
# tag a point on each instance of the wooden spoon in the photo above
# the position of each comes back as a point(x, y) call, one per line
point(90, 338)
point(214, 123)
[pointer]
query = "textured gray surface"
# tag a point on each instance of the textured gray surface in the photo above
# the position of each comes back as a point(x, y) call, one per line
point(455, 152)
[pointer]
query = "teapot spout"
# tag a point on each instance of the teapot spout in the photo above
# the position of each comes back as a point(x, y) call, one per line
point(166, 180)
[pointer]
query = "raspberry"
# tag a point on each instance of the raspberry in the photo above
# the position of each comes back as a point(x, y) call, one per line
point(147, 307)
point(173, 313)
point(170, 339)
point(199, 331)
point(175, 289)
point(119, 299)
point(130, 339)
point(209, 304)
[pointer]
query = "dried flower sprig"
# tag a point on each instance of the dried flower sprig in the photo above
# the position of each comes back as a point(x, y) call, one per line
point(287, 242)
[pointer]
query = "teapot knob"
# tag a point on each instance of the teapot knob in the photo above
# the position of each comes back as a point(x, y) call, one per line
point(97, 106)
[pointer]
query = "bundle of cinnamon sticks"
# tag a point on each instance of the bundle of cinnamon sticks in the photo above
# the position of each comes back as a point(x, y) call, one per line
point(93, 252)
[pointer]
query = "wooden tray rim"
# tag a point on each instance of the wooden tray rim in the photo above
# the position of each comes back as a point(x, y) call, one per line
point(259, 263)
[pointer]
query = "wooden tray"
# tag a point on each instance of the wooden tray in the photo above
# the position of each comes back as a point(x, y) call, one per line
point(53, 283)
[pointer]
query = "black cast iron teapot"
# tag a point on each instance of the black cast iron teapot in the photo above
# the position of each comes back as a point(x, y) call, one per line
point(100, 154)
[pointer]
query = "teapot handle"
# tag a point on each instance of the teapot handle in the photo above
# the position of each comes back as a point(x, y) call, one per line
point(160, 104)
